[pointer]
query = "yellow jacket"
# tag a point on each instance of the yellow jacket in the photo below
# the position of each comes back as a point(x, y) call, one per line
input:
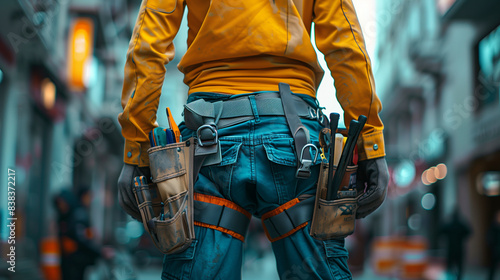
point(238, 46)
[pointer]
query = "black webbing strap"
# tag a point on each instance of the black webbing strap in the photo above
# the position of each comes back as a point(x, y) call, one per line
point(290, 219)
point(221, 216)
point(299, 132)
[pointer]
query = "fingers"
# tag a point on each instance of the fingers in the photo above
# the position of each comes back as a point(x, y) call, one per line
point(133, 211)
point(368, 208)
point(374, 193)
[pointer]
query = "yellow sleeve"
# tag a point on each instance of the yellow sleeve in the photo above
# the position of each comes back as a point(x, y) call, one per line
point(339, 38)
point(149, 50)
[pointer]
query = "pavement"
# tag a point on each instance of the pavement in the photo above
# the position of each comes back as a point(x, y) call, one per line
point(265, 269)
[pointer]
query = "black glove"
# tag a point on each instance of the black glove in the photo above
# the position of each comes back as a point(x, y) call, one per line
point(374, 176)
point(126, 196)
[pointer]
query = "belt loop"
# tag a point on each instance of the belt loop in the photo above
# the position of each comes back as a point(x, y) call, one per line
point(253, 104)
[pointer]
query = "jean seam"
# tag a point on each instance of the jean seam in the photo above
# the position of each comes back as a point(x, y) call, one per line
point(277, 184)
point(251, 148)
point(229, 181)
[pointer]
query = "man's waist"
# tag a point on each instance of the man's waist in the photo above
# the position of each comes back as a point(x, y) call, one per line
point(242, 107)
point(259, 73)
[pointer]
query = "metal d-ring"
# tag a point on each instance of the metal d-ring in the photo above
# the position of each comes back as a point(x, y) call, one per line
point(315, 155)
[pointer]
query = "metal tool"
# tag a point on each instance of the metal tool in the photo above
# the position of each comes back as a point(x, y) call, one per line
point(355, 128)
point(334, 122)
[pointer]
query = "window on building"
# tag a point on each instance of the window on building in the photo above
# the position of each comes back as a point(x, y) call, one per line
point(487, 90)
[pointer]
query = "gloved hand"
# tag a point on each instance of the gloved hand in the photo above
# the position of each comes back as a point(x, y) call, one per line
point(373, 176)
point(126, 196)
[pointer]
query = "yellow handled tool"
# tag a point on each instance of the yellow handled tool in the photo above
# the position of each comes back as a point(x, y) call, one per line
point(173, 126)
point(339, 146)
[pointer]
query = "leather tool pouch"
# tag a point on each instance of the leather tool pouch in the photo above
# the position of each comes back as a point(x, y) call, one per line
point(170, 197)
point(335, 218)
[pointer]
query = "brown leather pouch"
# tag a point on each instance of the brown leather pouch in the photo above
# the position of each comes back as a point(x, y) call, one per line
point(170, 197)
point(335, 218)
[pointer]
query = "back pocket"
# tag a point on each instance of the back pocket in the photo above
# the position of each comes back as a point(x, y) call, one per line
point(221, 174)
point(280, 149)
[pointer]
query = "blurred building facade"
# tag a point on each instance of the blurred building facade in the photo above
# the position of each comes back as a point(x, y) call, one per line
point(438, 74)
point(61, 73)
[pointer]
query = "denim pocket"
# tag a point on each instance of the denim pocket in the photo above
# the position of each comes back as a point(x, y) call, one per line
point(337, 256)
point(280, 149)
point(221, 173)
point(229, 150)
point(179, 266)
point(280, 155)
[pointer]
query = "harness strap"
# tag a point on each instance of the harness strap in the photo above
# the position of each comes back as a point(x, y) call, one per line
point(221, 214)
point(206, 117)
point(288, 218)
point(299, 132)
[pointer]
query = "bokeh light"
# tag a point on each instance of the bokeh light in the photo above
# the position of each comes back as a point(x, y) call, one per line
point(431, 178)
point(428, 201)
point(415, 221)
point(424, 178)
point(440, 171)
point(48, 93)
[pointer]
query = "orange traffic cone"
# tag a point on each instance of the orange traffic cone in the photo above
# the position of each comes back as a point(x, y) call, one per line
point(50, 258)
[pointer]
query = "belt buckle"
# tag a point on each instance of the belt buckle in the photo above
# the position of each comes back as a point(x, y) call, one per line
point(207, 142)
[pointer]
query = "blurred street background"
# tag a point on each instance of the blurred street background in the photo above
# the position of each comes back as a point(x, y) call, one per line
point(437, 70)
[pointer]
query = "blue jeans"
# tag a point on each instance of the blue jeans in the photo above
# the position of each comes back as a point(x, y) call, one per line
point(257, 172)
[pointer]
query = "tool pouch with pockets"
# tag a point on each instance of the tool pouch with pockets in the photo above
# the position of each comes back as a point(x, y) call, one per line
point(167, 207)
point(335, 218)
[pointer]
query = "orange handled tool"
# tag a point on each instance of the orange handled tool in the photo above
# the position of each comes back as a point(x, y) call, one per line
point(173, 126)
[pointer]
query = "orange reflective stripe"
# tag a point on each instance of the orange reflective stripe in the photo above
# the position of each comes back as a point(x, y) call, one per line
point(221, 202)
point(280, 209)
point(277, 211)
point(287, 234)
point(221, 229)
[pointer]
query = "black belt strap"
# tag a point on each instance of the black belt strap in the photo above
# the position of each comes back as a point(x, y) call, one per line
point(290, 218)
point(221, 216)
point(299, 132)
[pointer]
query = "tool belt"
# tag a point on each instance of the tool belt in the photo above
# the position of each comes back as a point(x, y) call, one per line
point(206, 118)
point(335, 218)
point(166, 204)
